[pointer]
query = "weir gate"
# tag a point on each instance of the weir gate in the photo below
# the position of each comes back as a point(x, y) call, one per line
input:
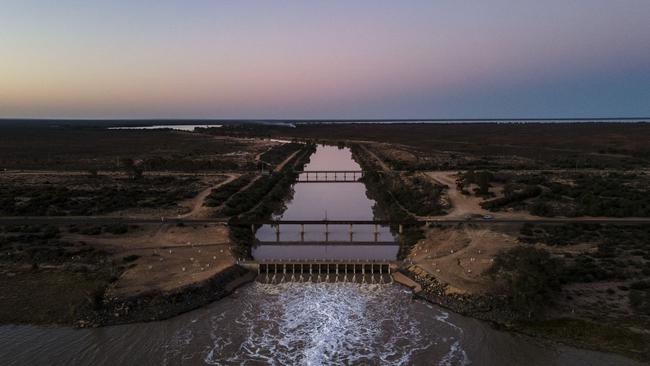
point(321, 271)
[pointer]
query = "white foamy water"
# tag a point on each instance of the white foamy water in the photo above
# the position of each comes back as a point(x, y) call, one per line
point(323, 324)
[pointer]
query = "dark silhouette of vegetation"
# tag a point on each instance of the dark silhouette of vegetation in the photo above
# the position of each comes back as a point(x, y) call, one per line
point(416, 193)
point(265, 196)
point(88, 147)
point(72, 276)
point(622, 251)
point(277, 154)
point(612, 195)
point(570, 194)
point(621, 254)
point(221, 194)
point(640, 296)
point(481, 178)
point(511, 197)
point(91, 196)
point(133, 171)
point(387, 205)
point(485, 146)
point(532, 278)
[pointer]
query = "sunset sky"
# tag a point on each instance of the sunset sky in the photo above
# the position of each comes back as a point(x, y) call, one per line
point(324, 59)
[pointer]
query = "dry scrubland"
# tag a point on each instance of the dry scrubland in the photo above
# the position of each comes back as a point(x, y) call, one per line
point(487, 145)
point(63, 274)
point(107, 193)
point(86, 149)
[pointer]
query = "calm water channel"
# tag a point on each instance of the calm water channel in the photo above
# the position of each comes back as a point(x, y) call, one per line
point(301, 323)
point(333, 201)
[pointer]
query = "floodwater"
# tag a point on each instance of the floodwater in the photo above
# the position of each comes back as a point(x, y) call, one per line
point(333, 201)
point(301, 323)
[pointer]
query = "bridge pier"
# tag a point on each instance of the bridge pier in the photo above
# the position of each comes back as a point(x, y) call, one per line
point(302, 232)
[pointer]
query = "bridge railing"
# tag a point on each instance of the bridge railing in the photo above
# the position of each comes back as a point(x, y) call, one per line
point(352, 231)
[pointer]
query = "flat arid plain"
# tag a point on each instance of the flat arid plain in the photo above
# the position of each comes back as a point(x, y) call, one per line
point(545, 242)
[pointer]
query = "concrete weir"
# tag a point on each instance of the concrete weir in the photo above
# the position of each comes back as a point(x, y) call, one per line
point(321, 271)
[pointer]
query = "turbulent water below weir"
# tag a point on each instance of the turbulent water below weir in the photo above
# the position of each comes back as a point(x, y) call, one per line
point(295, 324)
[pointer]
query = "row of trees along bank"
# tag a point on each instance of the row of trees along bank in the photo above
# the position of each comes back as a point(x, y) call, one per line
point(264, 197)
point(378, 185)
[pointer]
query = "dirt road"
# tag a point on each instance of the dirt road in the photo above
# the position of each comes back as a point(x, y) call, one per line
point(197, 209)
point(463, 205)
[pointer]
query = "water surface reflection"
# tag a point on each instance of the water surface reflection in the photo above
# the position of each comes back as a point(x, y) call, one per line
point(333, 201)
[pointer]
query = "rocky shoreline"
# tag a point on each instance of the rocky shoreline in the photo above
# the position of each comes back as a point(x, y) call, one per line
point(484, 307)
point(496, 310)
point(157, 305)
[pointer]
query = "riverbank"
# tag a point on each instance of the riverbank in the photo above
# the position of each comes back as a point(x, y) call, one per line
point(160, 305)
point(497, 310)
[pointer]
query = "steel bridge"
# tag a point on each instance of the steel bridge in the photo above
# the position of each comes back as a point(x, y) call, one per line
point(329, 176)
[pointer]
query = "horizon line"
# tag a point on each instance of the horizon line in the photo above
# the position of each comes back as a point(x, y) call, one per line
point(78, 119)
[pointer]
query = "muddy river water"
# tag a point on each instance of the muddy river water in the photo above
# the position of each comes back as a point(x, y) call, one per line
point(301, 323)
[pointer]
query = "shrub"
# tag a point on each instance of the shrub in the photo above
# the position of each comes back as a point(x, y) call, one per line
point(532, 277)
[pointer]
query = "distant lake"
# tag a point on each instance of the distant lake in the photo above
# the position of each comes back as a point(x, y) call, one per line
point(161, 127)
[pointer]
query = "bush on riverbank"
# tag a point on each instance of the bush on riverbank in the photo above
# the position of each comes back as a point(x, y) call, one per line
point(387, 205)
point(277, 154)
point(532, 278)
point(621, 251)
point(220, 195)
point(261, 199)
point(573, 194)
